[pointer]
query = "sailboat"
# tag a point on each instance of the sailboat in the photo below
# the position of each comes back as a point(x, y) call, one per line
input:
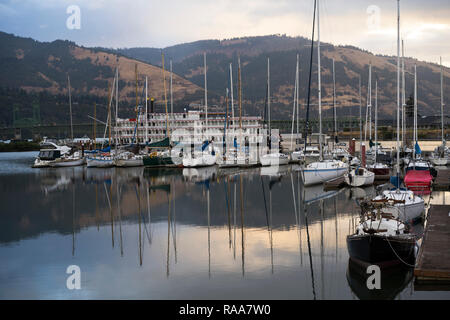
point(381, 240)
point(273, 158)
point(201, 158)
point(417, 177)
point(440, 158)
point(405, 205)
point(322, 170)
point(69, 159)
point(104, 159)
point(377, 167)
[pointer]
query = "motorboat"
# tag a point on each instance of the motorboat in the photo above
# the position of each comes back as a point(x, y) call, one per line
point(49, 153)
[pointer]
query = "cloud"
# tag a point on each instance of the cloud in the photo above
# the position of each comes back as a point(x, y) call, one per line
point(160, 23)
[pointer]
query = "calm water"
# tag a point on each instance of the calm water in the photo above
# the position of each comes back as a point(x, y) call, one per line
point(180, 234)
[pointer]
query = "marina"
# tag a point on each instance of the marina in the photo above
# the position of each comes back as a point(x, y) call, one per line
point(251, 168)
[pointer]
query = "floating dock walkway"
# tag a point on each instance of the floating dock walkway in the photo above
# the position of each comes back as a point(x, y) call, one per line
point(442, 181)
point(432, 269)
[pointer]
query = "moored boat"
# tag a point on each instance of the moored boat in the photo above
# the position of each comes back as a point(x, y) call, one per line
point(359, 177)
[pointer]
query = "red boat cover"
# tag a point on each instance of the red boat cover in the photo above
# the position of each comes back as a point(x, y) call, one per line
point(418, 178)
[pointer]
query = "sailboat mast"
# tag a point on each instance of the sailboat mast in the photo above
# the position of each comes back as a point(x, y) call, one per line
point(117, 108)
point(403, 95)
point(232, 98)
point(319, 82)
point(171, 89)
point(294, 105)
point(398, 95)
point(298, 94)
point(240, 92)
point(415, 110)
point(360, 114)
point(442, 105)
point(95, 125)
point(206, 91)
point(137, 103)
point(369, 108)
point(70, 109)
point(165, 96)
point(268, 95)
point(376, 120)
point(146, 109)
point(334, 103)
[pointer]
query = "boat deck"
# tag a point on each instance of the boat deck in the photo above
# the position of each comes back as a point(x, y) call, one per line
point(442, 181)
point(432, 269)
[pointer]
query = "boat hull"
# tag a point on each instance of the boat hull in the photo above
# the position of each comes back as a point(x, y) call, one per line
point(99, 163)
point(418, 180)
point(359, 180)
point(201, 161)
point(380, 171)
point(381, 250)
point(316, 176)
point(440, 161)
point(274, 160)
point(67, 163)
point(129, 162)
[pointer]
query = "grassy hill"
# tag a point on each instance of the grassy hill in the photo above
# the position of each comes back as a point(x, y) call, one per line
point(350, 63)
point(37, 71)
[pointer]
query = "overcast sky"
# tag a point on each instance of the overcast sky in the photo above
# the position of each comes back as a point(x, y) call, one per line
point(370, 25)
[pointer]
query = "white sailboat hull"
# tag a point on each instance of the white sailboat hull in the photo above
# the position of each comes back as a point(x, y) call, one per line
point(440, 161)
point(316, 176)
point(67, 163)
point(354, 180)
point(99, 163)
point(412, 208)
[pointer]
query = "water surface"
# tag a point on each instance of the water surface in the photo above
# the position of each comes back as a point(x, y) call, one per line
point(181, 234)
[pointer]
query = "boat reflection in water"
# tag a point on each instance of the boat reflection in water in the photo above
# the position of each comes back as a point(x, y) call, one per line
point(392, 281)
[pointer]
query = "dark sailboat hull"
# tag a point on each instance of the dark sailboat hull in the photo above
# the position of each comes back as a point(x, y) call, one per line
point(380, 171)
point(381, 250)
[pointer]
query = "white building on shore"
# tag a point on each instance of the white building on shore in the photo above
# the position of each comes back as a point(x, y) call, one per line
point(185, 126)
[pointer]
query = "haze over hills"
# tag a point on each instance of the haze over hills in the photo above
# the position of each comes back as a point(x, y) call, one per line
point(40, 69)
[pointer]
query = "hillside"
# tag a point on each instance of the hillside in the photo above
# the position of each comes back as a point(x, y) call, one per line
point(350, 63)
point(35, 67)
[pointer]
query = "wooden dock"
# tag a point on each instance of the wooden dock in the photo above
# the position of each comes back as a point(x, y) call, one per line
point(432, 269)
point(442, 181)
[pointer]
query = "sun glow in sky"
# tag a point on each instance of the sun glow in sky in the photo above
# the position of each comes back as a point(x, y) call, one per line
point(370, 25)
